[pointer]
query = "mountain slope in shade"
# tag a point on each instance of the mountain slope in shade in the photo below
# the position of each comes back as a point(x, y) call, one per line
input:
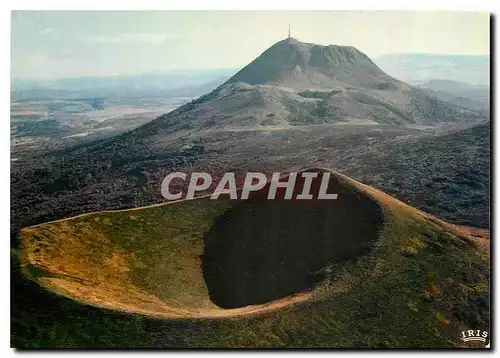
point(417, 68)
point(464, 94)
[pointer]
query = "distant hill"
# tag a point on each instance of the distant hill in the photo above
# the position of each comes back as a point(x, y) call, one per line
point(464, 94)
point(189, 83)
point(295, 83)
point(416, 68)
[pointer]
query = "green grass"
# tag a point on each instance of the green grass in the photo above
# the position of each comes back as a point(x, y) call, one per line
point(419, 287)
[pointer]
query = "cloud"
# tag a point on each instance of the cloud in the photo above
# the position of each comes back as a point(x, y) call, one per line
point(46, 31)
point(128, 38)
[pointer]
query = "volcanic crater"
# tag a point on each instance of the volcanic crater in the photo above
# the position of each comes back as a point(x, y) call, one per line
point(205, 257)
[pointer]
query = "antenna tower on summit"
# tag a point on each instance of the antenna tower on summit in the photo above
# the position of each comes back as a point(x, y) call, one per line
point(289, 32)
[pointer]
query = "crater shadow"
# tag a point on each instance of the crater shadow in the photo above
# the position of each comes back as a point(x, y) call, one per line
point(262, 250)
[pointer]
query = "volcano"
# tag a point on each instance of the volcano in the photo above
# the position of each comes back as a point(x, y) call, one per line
point(301, 66)
point(279, 273)
point(295, 83)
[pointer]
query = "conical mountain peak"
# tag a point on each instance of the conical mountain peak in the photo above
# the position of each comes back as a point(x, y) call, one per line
point(300, 65)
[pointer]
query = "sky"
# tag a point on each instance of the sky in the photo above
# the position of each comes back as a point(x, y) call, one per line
point(59, 44)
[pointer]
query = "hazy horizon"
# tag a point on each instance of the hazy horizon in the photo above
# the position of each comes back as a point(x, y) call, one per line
point(65, 44)
point(214, 69)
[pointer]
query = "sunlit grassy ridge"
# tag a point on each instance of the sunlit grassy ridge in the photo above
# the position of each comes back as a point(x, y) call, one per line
point(151, 257)
point(422, 284)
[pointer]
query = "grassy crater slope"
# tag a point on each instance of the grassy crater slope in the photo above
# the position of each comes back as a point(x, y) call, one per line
point(142, 278)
